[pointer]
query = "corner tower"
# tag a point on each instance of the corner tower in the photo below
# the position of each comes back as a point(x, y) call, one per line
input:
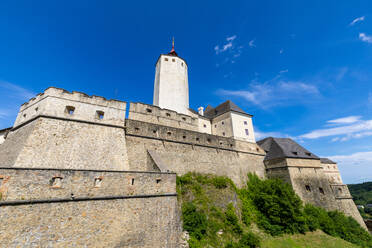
point(171, 87)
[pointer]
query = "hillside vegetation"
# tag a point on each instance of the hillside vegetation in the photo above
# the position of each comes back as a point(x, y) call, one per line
point(362, 195)
point(264, 213)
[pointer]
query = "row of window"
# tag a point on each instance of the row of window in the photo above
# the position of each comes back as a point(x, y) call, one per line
point(148, 110)
point(71, 110)
point(173, 60)
point(56, 182)
point(308, 188)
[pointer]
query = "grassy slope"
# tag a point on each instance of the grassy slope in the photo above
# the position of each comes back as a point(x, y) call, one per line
point(310, 240)
point(202, 191)
point(362, 195)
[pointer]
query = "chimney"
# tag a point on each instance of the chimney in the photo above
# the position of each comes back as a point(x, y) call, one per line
point(201, 111)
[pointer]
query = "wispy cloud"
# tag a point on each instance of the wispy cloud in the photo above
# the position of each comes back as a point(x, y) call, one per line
point(273, 92)
point(283, 71)
point(251, 43)
point(231, 38)
point(281, 51)
point(261, 135)
point(353, 159)
point(223, 48)
point(356, 20)
point(15, 91)
point(345, 120)
point(365, 38)
point(352, 128)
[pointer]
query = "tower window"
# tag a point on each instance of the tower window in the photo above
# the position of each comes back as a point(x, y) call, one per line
point(205, 125)
point(167, 114)
point(173, 60)
point(165, 59)
point(132, 181)
point(70, 110)
point(339, 190)
point(246, 132)
point(223, 133)
point(24, 115)
point(169, 133)
point(149, 110)
point(182, 64)
point(308, 188)
point(223, 123)
point(197, 139)
point(215, 126)
point(245, 122)
point(184, 118)
point(100, 114)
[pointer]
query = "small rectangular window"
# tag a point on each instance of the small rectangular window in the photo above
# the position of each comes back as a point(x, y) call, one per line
point(173, 60)
point(215, 126)
point(321, 191)
point(100, 114)
point(168, 115)
point(149, 110)
point(70, 110)
point(308, 188)
point(223, 133)
point(246, 132)
point(165, 59)
point(223, 123)
point(295, 153)
point(182, 64)
point(245, 123)
point(184, 118)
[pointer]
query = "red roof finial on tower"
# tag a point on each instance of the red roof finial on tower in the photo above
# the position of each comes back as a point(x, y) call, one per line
point(173, 52)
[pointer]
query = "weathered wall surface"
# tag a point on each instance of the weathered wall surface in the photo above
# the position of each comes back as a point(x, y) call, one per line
point(312, 185)
point(183, 151)
point(57, 143)
point(114, 213)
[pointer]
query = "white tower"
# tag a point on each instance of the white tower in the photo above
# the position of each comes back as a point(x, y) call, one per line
point(171, 87)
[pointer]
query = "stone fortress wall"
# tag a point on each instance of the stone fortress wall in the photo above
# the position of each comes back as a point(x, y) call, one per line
point(90, 208)
point(57, 125)
point(172, 149)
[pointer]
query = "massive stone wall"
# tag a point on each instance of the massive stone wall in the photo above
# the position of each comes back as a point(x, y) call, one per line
point(182, 151)
point(47, 142)
point(69, 208)
point(313, 185)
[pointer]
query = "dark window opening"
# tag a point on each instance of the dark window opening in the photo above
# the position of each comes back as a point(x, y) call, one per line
point(132, 181)
point(184, 137)
point(215, 125)
point(308, 188)
point(209, 140)
point(136, 129)
point(295, 153)
point(308, 154)
point(158, 180)
point(167, 114)
point(169, 133)
point(100, 114)
point(223, 133)
point(339, 190)
point(149, 110)
point(223, 123)
point(205, 125)
point(165, 59)
point(245, 123)
point(197, 139)
point(183, 118)
point(70, 110)
point(231, 145)
point(181, 63)
point(24, 115)
point(154, 131)
point(220, 143)
point(321, 191)
point(173, 60)
point(36, 109)
point(246, 132)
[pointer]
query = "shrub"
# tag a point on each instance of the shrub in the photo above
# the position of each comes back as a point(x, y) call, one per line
point(249, 240)
point(280, 209)
point(194, 221)
point(232, 220)
point(220, 182)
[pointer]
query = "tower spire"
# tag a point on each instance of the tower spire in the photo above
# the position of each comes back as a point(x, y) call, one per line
point(173, 52)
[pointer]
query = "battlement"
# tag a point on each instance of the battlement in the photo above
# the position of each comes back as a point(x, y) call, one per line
point(60, 103)
point(154, 114)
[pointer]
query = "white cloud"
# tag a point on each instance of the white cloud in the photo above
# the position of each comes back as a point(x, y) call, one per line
point(15, 91)
point(353, 159)
point(274, 92)
point(345, 120)
point(359, 19)
point(369, 101)
point(283, 71)
point(251, 43)
point(365, 38)
point(261, 135)
point(281, 51)
point(231, 38)
point(355, 130)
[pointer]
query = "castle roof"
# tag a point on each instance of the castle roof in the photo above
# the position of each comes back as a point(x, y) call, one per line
point(326, 161)
point(227, 106)
point(284, 148)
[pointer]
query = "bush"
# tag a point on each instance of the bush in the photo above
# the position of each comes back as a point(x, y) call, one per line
point(280, 209)
point(194, 221)
point(220, 182)
point(248, 240)
point(232, 220)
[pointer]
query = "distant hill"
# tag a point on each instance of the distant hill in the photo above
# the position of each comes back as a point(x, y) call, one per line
point(362, 195)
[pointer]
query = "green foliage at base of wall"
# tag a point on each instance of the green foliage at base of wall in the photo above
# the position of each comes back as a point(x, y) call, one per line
point(217, 214)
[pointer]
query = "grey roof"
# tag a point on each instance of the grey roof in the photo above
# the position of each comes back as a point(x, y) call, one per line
point(284, 148)
point(326, 161)
point(227, 106)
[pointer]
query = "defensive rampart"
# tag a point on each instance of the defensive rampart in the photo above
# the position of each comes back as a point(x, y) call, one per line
point(182, 151)
point(86, 208)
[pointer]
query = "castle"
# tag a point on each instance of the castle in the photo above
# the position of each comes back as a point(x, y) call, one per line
point(74, 171)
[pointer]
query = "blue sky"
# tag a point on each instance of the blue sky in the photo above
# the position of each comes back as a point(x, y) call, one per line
point(302, 68)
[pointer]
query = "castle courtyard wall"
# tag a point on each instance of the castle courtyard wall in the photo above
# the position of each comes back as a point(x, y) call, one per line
point(78, 212)
point(183, 151)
